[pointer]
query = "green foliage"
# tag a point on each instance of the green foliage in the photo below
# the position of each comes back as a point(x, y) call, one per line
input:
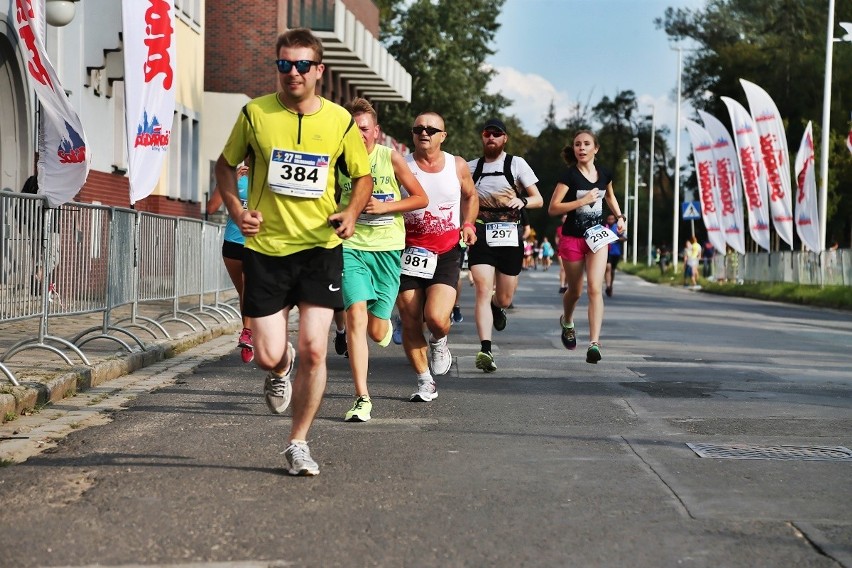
point(779, 45)
point(839, 297)
point(443, 44)
point(827, 296)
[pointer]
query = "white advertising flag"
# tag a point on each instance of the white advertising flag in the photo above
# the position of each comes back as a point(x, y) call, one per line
point(727, 181)
point(63, 163)
point(807, 216)
point(149, 84)
point(776, 158)
point(705, 171)
point(751, 171)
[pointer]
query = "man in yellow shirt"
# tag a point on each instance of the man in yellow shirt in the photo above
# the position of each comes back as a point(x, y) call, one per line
point(293, 253)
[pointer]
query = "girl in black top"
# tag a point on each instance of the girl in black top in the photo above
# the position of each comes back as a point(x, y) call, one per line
point(579, 194)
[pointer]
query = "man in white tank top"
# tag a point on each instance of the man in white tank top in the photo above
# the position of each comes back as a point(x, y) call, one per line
point(430, 261)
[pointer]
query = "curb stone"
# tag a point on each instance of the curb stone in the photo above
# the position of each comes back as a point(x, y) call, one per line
point(17, 401)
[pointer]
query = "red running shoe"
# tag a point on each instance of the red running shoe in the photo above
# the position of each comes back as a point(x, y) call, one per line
point(245, 344)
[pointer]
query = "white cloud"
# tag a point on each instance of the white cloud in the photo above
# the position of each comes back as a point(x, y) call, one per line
point(531, 96)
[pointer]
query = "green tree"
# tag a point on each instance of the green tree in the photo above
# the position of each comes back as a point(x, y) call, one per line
point(443, 44)
point(779, 45)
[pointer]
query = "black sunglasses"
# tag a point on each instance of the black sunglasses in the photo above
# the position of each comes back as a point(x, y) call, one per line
point(492, 133)
point(430, 130)
point(302, 65)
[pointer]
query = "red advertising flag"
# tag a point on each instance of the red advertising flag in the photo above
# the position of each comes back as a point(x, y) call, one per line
point(727, 181)
point(807, 222)
point(751, 170)
point(705, 169)
point(63, 163)
point(776, 158)
point(149, 86)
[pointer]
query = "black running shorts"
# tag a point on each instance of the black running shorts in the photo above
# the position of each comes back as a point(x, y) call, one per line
point(507, 260)
point(273, 283)
point(446, 272)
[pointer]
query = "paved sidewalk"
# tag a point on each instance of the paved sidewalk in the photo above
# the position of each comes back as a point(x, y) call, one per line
point(45, 376)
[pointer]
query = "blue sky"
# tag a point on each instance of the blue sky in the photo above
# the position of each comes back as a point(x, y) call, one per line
point(571, 51)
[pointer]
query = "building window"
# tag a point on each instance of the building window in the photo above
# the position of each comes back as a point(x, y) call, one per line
point(119, 153)
point(184, 145)
point(189, 11)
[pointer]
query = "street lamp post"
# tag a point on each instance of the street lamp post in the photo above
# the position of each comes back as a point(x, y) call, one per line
point(626, 200)
point(675, 236)
point(826, 121)
point(635, 198)
point(651, 186)
point(826, 128)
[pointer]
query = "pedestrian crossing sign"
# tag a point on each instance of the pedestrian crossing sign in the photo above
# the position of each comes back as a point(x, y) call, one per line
point(691, 210)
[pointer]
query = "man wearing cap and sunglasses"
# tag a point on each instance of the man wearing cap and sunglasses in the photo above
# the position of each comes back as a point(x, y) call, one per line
point(293, 253)
point(430, 261)
point(506, 185)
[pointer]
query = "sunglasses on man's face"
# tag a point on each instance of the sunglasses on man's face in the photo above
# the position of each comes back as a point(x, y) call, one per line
point(302, 66)
point(429, 130)
point(492, 133)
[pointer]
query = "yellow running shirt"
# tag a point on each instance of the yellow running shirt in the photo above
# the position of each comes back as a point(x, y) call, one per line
point(292, 173)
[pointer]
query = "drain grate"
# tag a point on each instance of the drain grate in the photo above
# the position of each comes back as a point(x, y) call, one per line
point(756, 452)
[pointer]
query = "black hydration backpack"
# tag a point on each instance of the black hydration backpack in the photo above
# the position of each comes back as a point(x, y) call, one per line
point(507, 171)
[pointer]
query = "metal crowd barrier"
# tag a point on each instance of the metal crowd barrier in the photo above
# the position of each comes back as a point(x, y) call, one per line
point(82, 258)
point(828, 268)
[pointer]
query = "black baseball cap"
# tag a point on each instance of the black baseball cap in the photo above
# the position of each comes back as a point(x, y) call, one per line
point(496, 123)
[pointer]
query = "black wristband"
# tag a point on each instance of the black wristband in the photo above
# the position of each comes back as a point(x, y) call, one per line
point(524, 200)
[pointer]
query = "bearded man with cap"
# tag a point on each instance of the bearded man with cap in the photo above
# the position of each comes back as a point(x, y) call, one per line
point(506, 185)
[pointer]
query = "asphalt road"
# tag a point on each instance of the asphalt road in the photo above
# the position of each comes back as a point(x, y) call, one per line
point(548, 462)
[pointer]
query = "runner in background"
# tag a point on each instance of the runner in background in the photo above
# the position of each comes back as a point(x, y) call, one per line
point(614, 254)
point(506, 187)
point(232, 254)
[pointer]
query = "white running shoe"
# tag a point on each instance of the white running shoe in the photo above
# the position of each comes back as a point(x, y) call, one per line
point(440, 358)
point(299, 460)
point(427, 391)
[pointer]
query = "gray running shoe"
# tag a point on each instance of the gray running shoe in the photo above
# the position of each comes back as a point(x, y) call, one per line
point(427, 391)
point(277, 390)
point(485, 361)
point(440, 358)
point(299, 460)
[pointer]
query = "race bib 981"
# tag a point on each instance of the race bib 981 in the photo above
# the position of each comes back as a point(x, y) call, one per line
point(419, 262)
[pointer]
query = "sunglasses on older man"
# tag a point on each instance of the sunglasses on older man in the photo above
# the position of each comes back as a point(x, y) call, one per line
point(492, 133)
point(429, 130)
point(302, 66)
